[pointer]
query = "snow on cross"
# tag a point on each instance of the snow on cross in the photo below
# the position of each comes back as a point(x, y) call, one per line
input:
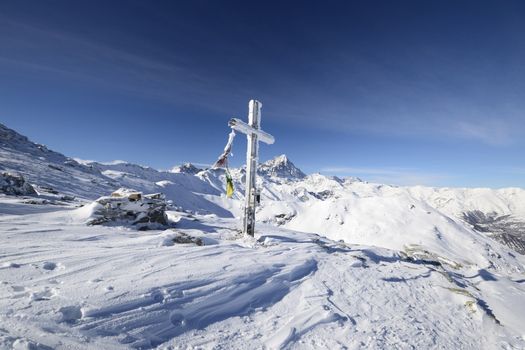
point(254, 134)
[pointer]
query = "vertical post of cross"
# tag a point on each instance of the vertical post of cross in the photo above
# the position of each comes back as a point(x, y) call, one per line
point(252, 154)
point(254, 135)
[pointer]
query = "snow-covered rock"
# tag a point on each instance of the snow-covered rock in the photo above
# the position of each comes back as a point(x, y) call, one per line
point(15, 184)
point(126, 206)
point(182, 238)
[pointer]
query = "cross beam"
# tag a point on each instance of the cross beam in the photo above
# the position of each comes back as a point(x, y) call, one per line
point(241, 126)
point(254, 134)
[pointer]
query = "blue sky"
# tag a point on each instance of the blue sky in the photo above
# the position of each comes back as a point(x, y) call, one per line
point(404, 92)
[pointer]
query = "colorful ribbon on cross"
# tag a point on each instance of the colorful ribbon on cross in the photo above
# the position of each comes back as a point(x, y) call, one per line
point(229, 184)
point(222, 162)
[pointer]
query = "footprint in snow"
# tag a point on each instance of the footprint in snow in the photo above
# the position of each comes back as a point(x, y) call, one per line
point(18, 292)
point(128, 339)
point(11, 265)
point(22, 343)
point(356, 263)
point(177, 319)
point(157, 296)
point(50, 266)
point(70, 313)
point(42, 295)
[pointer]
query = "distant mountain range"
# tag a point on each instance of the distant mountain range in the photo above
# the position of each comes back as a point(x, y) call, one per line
point(339, 208)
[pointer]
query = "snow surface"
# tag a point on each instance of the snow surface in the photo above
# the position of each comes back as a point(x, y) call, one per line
point(64, 284)
point(336, 263)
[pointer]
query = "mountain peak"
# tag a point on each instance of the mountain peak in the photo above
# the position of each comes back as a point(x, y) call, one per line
point(186, 168)
point(281, 159)
point(280, 166)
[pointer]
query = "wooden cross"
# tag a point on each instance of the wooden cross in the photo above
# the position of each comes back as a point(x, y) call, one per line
point(254, 134)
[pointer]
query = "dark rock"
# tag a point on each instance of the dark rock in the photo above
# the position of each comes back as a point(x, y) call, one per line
point(323, 195)
point(15, 184)
point(48, 189)
point(183, 238)
point(55, 167)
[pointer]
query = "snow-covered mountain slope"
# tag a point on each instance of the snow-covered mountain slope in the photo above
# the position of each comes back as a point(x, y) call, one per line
point(52, 172)
point(347, 209)
point(49, 170)
point(360, 212)
point(339, 263)
point(66, 285)
point(372, 214)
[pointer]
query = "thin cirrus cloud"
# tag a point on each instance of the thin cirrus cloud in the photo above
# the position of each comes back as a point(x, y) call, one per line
point(396, 176)
point(31, 49)
point(404, 108)
point(413, 121)
point(358, 94)
point(492, 132)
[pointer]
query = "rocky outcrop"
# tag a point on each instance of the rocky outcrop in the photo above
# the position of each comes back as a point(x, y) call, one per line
point(130, 207)
point(15, 185)
point(505, 229)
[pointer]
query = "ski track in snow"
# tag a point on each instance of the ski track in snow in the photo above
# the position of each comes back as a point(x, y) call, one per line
point(73, 286)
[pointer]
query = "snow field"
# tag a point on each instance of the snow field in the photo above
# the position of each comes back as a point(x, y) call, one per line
point(113, 288)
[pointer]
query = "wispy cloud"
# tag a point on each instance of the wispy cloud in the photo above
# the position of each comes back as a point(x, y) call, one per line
point(397, 176)
point(413, 122)
point(493, 132)
point(515, 170)
point(353, 95)
point(431, 97)
point(81, 60)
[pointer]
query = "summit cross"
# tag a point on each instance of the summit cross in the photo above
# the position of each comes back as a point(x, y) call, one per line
point(254, 134)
